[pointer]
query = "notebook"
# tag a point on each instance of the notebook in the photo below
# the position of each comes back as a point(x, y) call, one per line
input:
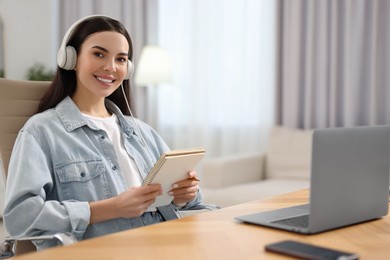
point(349, 182)
point(172, 167)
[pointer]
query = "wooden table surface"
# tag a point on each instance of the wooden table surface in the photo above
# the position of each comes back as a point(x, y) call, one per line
point(216, 235)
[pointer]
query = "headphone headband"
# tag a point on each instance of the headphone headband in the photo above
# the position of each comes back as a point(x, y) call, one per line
point(67, 55)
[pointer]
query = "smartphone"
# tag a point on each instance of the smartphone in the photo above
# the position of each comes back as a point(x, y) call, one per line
point(307, 251)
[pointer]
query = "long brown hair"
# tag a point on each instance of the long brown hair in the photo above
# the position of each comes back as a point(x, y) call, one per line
point(64, 82)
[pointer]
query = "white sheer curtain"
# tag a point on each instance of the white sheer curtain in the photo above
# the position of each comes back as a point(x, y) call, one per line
point(223, 53)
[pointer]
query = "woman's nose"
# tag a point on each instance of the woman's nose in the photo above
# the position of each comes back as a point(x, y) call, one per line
point(110, 66)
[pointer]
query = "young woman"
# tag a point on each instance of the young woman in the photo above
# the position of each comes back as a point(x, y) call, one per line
point(77, 166)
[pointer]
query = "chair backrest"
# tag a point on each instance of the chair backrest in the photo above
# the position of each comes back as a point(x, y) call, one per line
point(19, 100)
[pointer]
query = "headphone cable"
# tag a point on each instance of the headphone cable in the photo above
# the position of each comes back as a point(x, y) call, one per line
point(143, 142)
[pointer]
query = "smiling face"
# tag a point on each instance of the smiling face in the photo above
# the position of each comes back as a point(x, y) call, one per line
point(101, 66)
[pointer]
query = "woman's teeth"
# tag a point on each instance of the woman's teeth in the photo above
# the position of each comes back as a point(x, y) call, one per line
point(105, 80)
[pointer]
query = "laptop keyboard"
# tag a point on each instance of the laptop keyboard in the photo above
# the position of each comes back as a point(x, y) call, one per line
point(300, 221)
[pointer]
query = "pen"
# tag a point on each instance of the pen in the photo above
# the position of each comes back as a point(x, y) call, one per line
point(194, 179)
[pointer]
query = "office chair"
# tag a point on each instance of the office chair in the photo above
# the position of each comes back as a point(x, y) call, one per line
point(18, 101)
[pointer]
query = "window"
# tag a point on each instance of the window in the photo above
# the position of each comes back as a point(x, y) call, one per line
point(223, 54)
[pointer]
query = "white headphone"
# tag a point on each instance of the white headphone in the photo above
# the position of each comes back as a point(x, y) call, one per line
point(67, 55)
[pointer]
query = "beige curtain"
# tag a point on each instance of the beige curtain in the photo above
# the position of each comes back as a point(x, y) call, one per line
point(333, 63)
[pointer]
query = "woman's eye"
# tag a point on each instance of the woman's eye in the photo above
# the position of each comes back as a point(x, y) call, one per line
point(122, 59)
point(98, 54)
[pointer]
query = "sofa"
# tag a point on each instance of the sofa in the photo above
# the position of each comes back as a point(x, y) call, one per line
point(282, 168)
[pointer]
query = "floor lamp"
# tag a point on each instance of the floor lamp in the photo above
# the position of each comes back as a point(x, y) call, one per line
point(154, 68)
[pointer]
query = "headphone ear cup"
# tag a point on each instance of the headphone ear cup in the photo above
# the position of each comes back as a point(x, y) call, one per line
point(71, 58)
point(130, 69)
point(67, 58)
point(61, 58)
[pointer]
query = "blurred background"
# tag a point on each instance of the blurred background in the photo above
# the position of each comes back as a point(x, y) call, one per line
point(232, 69)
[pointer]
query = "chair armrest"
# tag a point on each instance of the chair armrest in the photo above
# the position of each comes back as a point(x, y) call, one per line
point(202, 208)
point(8, 247)
point(64, 238)
point(232, 170)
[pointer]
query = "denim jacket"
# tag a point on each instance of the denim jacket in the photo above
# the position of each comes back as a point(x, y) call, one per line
point(60, 162)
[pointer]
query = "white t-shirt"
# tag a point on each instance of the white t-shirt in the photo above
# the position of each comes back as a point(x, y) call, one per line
point(129, 168)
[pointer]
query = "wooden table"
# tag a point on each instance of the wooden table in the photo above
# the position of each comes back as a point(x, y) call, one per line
point(216, 235)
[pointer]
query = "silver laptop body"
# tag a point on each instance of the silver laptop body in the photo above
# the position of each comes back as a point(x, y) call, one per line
point(349, 182)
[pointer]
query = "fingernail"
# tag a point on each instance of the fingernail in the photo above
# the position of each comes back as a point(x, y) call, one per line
point(170, 193)
point(175, 185)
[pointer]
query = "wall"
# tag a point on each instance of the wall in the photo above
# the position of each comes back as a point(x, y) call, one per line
point(28, 39)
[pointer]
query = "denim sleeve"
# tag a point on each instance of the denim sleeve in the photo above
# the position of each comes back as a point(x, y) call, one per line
point(31, 207)
point(195, 203)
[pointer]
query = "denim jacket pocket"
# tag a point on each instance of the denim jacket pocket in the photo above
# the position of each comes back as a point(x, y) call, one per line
point(83, 181)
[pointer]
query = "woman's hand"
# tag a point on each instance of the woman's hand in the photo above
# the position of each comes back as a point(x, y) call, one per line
point(129, 204)
point(135, 201)
point(185, 190)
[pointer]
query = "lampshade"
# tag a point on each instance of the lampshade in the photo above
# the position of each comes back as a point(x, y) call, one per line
point(154, 67)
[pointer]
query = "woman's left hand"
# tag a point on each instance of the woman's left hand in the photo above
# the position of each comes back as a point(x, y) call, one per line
point(185, 190)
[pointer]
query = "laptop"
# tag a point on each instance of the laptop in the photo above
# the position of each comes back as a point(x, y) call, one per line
point(349, 182)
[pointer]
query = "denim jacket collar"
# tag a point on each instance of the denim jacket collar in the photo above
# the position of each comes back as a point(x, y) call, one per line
point(72, 118)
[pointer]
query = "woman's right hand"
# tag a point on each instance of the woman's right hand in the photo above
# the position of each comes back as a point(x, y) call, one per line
point(129, 204)
point(135, 201)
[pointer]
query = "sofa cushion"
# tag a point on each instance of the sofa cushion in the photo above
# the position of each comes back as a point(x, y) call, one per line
point(237, 194)
point(289, 153)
